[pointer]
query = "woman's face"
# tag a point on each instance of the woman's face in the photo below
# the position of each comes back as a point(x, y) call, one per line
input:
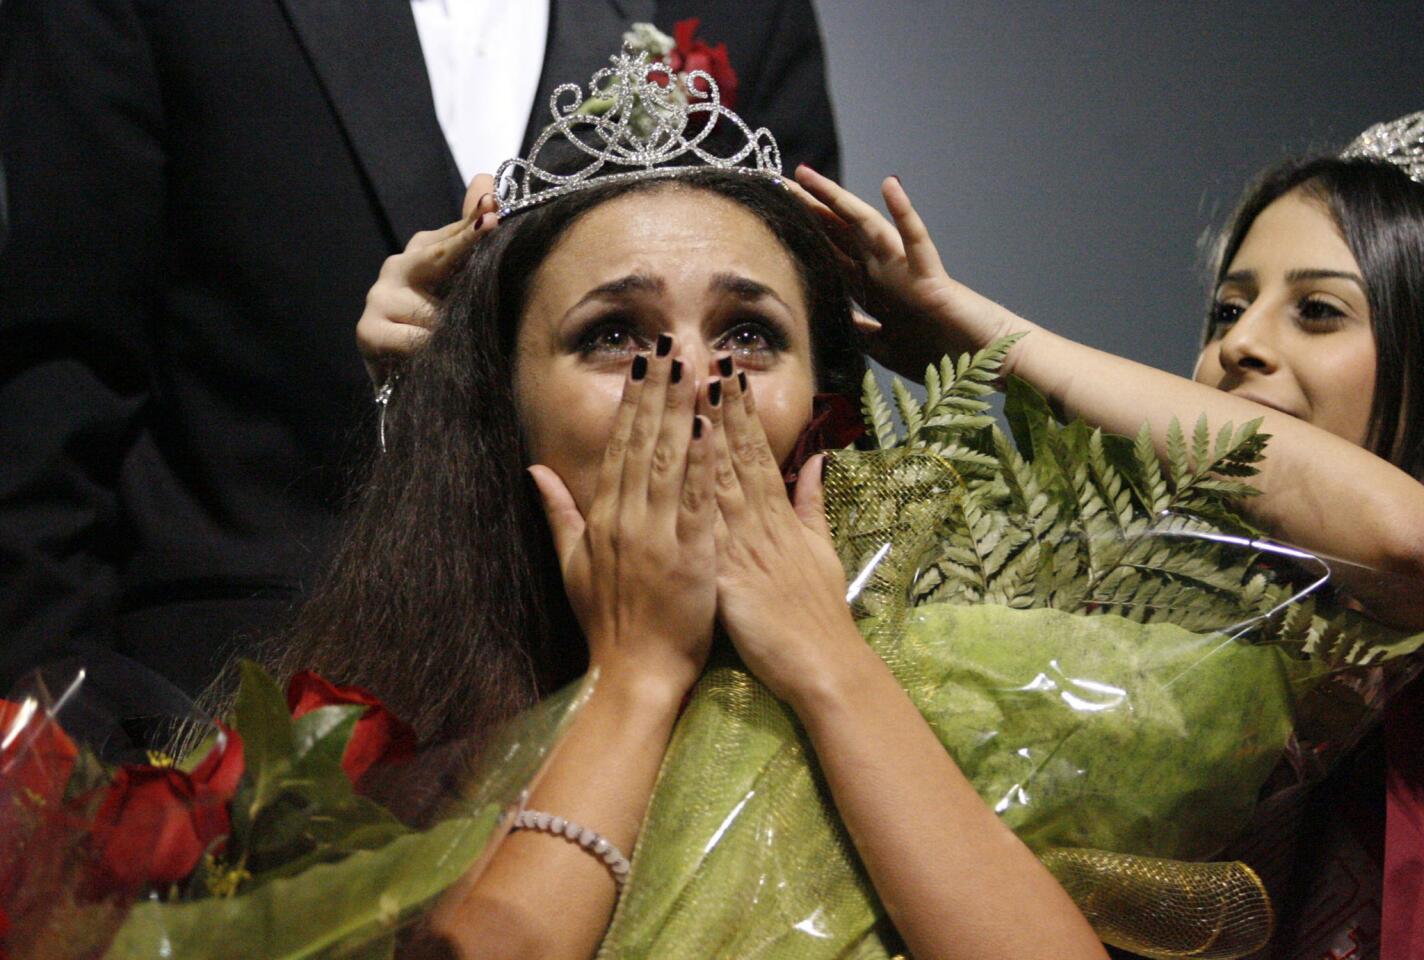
point(668, 260)
point(1291, 326)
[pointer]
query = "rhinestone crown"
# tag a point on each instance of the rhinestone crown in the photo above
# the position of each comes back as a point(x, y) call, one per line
point(1400, 142)
point(647, 120)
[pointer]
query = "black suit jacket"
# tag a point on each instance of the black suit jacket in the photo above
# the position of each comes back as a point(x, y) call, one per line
point(200, 193)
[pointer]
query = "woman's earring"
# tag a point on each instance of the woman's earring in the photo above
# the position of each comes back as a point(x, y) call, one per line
point(383, 400)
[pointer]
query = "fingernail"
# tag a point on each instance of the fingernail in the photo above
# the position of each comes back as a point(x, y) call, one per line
point(676, 371)
point(809, 167)
point(742, 380)
point(640, 367)
point(697, 428)
point(896, 178)
point(714, 393)
point(664, 345)
point(724, 366)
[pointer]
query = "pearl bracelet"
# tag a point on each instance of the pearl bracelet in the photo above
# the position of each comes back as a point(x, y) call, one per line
point(595, 843)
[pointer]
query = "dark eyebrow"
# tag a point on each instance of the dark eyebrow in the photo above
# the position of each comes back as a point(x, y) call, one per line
point(1355, 278)
point(632, 283)
point(1295, 276)
point(744, 288)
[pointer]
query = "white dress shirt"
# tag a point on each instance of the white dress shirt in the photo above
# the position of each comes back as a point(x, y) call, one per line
point(484, 58)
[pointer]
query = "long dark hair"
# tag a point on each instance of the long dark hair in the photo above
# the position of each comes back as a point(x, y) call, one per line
point(444, 595)
point(1380, 214)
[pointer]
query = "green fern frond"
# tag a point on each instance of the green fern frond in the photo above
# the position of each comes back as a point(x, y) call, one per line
point(933, 388)
point(1201, 447)
point(1151, 484)
point(877, 412)
point(1179, 470)
point(909, 410)
point(964, 459)
point(949, 423)
point(1115, 494)
point(1072, 518)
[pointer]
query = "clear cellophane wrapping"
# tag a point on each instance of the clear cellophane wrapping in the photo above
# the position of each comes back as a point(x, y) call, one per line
point(344, 876)
point(1125, 749)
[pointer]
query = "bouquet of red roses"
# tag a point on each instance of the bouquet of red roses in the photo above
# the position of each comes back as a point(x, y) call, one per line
point(235, 848)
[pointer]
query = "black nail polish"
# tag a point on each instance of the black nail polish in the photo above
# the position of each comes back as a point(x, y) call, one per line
point(714, 393)
point(664, 346)
point(742, 380)
point(640, 367)
point(724, 366)
point(697, 428)
point(676, 376)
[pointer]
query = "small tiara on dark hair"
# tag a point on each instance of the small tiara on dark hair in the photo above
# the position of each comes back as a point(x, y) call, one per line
point(1399, 142)
point(639, 121)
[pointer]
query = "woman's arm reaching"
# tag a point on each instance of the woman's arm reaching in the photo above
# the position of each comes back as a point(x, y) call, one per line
point(954, 879)
point(1318, 491)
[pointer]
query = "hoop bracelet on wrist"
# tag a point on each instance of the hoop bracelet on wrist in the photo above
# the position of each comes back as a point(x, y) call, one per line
point(595, 843)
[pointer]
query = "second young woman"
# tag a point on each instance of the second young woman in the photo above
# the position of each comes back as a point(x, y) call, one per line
point(1316, 326)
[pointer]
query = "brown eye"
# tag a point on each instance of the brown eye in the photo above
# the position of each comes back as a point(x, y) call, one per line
point(752, 339)
point(608, 338)
point(1320, 314)
point(1223, 315)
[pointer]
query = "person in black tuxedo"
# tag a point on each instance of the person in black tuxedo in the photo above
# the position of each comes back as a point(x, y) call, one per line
point(200, 195)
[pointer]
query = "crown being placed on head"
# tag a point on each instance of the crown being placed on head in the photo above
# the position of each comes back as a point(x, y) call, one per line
point(1400, 142)
point(641, 122)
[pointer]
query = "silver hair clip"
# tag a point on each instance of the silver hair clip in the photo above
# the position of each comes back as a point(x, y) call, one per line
point(1400, 142)
point(639, 120)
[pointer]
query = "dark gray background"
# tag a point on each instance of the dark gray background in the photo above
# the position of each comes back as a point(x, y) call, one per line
point(1070, 157)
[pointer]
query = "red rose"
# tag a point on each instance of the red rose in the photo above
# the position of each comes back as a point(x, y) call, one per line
point(36, 827)
point(221, 770)
point(835, 423)
point(692, 54)
point(155, 823)
point(36, 756)
point(380, 736)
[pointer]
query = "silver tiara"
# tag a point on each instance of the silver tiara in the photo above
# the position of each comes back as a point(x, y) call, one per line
point(1400, 142)
point(639, 120)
